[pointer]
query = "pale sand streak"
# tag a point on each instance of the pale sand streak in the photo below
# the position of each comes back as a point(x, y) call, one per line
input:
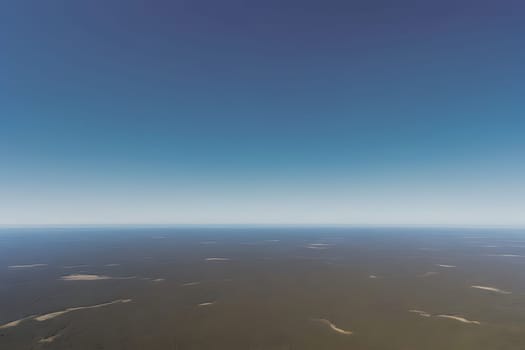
point(458, 318)
point(420, 313)
point(26, 266)
point(84, 277)
point(217, 259)
point(159, 280)
point(507, 255)
point(333, 326)
point(446, 266)
point(49, 339)
point(71, 309)
point(491, 289)
point(451, 317)
point(191, 284)
point(16, 323)
point(51, 315)
point(208, 303)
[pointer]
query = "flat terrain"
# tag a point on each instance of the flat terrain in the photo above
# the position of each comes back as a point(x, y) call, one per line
point(262, 288)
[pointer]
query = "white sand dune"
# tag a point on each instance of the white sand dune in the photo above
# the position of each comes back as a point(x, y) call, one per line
point(507, 255)
point(458, 318)
point(84, 277)
point(445, 266)
point(49, 339)
point(491, 289)
point(26, 266)
point(52, 315)
point(372, 276)
point(187, 284)
point(318, 246)
point(208, 303)
point(158, 280)
point(333, 326)
point(420, 312)
point(16, 323)
point(87, 277)
point(451, 317)
point(217, 259)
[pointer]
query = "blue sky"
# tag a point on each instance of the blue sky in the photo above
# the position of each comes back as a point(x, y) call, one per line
point(315, 112)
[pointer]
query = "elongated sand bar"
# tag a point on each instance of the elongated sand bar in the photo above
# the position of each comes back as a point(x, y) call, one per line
point(458, 318)
point(26, 266)
point(49, 339)
point(191, 284)
point(420, 313)
point(207, 303)
point(491, 289)
point(51, 315)
point(333, 326)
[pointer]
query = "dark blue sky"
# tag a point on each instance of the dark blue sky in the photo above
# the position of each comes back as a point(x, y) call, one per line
point(262, 112)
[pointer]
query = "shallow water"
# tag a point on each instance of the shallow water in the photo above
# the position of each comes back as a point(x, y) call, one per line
point(262, 288)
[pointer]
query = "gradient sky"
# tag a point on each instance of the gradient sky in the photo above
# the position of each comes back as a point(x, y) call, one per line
point(358, 112)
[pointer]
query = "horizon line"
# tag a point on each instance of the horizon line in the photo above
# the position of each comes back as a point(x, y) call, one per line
point(168, 225)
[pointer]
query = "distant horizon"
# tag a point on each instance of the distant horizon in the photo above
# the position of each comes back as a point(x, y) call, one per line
point(255, 225)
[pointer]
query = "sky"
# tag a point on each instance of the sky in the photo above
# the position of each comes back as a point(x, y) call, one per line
point(262, 112)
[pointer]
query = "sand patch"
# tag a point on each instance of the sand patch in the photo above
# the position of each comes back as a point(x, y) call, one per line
point(318, 246)
point(111, 265)
point(333, 326)
point(451, 317)
point(491, 289)
point(26, 266)
point(458, 318)
point(187, 284)
point(16, 323)
point(87, 277)
point(158, 280)
point(49, 316)
point(208, 303)
point(217, 259)
point(445, 266)
point(49, 339)
point(83, 277)
point(373, 276)
point(420, 313)
point(507, 255)
point(52, 315)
